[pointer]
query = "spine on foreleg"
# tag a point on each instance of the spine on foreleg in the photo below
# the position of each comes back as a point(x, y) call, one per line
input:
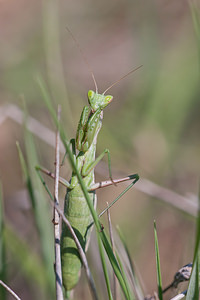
point(78, 214)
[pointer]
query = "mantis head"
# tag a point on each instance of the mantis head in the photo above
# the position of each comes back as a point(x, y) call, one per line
point(98, 101)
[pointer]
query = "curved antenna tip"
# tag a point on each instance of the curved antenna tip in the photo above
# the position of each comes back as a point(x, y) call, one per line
point(84, 57)
point(117, 81)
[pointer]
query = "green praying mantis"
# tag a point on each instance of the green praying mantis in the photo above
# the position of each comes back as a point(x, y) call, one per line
point(76, 209)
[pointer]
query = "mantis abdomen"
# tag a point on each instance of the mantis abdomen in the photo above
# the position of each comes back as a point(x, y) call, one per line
point(79, 216)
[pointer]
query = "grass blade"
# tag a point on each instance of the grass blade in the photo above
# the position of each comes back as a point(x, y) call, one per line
point(2, 248)
point(103, 261)
point(26, 176)
point(125, 277)
point(115, 286)
point(131, 269)
point(40, 206)
point(196, 20)
point(158, 269)
point(42, 213)
point(193, 288)
point(30, 264)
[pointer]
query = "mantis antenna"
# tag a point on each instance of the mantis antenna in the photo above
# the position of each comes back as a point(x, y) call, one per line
point(84, 58)
point(114, 83)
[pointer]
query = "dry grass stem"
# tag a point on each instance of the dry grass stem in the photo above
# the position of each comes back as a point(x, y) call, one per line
point(56, 218)
point(9, 290)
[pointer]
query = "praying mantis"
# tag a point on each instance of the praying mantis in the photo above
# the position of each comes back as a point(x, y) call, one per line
point(76, 209)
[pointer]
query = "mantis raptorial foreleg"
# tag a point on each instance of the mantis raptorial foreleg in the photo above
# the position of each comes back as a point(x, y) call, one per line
point(73, 146)
point(88, 168)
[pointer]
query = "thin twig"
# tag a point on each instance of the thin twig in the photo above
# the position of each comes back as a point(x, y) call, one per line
point(58, 270)
point(81, 253)
point(9, 290)
point(112, 244)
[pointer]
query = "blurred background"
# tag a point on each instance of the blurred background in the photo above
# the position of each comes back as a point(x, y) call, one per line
point(151, 127)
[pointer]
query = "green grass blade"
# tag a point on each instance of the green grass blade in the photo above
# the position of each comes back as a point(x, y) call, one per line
point(103, 261)
point(29, 263)
point(99, 232)
point(158, 269)
point(115, 265)
point(2, 248)
point(196, 19)
point(134, 278)
point(46, 99)
point(193, 288)
point(46, 253)
point(42, 211)
point(40, 206)
point(195, 12)
point(125, 277)
point(26, 176)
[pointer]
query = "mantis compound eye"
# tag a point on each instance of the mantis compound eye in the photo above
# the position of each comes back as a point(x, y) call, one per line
point(105, 101)
point(108, 99)
point(90, 95)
